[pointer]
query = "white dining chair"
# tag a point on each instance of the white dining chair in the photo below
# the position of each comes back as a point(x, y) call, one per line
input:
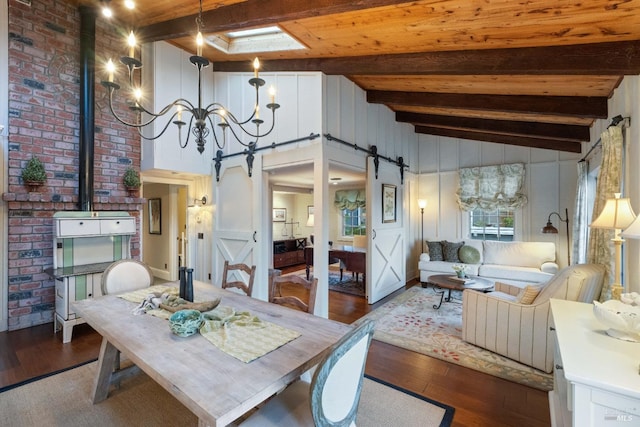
point(126, 275)
point(122, 276)
point(333, 395)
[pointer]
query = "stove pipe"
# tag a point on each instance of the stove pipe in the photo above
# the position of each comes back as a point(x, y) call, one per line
point(87, 106)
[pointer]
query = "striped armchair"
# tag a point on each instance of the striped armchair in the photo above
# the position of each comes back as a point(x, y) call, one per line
point(498, 322)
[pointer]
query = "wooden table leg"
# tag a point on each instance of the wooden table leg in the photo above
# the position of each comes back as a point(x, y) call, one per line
point(106, 361)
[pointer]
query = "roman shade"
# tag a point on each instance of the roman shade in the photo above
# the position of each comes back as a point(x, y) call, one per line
point(491, 187)
point(350, 199)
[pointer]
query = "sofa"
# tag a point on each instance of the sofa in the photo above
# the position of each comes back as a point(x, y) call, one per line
point(516, 322)
point(516, 263)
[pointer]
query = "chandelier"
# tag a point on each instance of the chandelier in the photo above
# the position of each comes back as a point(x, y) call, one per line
point(211, 115)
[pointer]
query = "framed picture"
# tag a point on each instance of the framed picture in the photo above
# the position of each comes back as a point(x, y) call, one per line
point(388, 203)
point(309, 210)
point(279, 214)
point(155, 216)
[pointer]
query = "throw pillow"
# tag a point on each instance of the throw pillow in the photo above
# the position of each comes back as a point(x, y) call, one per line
point(450, 250)
point(469, 255)
point(528, 294)
point(435, 251)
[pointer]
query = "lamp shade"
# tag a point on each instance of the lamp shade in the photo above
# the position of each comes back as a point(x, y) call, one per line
point(549, 229)
point(310, 221)
point(422, 203)
point(633, 231)
point(616, 214)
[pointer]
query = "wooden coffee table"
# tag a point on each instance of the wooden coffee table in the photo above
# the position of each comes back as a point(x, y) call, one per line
point(444, 282)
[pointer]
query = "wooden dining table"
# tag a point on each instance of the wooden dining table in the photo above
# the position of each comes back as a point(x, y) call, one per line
point(215, 386)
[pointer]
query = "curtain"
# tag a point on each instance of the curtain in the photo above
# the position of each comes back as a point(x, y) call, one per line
point(491, 187)
point(580, 230)
point(350, 199)
point(609, 177)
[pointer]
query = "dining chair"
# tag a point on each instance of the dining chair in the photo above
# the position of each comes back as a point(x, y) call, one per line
point(275, 291)
point(332, 397)
point(125, 275)
point(122, 276)
point(235, 269)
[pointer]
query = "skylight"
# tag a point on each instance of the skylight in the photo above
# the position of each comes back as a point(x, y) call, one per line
point(266, 39)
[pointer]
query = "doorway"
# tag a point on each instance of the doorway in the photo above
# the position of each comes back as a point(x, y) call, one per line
point(164, 228)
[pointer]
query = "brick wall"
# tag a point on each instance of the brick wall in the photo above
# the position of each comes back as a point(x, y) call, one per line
point(44, 102)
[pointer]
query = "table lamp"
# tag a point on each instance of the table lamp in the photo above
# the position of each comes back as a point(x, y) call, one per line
point(616, 215)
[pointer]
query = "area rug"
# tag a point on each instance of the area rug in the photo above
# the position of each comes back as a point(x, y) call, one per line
point(64, 400)
point(347, 285)
point(410, 321)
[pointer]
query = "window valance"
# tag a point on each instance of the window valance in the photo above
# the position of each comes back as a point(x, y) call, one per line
point(491, 187)
point(350, 199)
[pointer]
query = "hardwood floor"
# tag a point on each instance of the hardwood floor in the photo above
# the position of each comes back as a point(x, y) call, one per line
point(479, 399)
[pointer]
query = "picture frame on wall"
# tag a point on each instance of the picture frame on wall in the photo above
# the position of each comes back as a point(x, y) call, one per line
point(279, 214)
point(155, 216)
point(389, 208)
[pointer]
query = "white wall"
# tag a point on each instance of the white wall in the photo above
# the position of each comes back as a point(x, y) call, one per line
point(349, 117)
point(549, 185)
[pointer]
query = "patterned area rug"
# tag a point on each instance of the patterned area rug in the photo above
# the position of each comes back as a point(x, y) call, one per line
point(410, 321)
point(347, 285)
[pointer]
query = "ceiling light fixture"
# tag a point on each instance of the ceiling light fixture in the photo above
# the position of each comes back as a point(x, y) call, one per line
point(199, 115)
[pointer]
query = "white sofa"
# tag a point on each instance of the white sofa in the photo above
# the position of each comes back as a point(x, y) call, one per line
point(516, 263)
point(519, 328)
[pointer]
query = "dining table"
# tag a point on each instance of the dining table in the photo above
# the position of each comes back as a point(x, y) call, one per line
point(217, 387)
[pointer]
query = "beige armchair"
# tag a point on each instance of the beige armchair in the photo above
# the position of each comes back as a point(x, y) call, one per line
point(498, 322)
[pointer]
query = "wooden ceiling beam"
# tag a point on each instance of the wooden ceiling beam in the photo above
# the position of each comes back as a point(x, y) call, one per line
point(579, 106)
point(615, 58)
point(505, 127)
point(522, 141)
point(253, 13)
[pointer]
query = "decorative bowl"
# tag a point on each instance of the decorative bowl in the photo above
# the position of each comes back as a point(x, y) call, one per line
point(622, 319)
point(185, 322)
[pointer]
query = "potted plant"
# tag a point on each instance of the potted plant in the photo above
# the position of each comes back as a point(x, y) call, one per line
point(33, 174)
point(131, 180)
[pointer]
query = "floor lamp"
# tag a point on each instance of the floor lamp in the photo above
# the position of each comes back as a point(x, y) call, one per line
point(422, 203)
point(616, 215)
point(550, 229)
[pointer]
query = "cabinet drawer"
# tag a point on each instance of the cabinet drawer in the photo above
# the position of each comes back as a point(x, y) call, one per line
point(78, 227)
point(118, 226)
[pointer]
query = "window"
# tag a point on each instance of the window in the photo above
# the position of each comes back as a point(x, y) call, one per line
point(492, 225)
point(354, 222)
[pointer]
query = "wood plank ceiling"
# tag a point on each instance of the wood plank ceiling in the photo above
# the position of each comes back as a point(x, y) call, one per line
point(529, 72)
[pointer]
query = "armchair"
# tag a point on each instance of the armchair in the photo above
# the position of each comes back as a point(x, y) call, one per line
point(498, 322)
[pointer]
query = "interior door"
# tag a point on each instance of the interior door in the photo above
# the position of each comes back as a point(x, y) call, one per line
point(237, 230)
point(386, 267)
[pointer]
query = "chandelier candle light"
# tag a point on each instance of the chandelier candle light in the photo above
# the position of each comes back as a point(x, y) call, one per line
point(214, 112)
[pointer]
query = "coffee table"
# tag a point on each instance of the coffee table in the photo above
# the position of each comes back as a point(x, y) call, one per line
point(446, 282)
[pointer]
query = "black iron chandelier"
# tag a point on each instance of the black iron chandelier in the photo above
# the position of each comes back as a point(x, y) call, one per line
point(212, 114)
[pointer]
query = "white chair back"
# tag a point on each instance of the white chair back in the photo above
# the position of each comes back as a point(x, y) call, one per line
point(337, 383)
point(126, 275)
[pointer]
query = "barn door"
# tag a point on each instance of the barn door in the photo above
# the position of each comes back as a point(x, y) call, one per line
point(386, 267)
point(237, 230)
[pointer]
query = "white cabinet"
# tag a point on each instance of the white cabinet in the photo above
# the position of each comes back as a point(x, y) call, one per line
point(75, 288)
point(596, 377)
point(85, 244)
point(86, 227)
